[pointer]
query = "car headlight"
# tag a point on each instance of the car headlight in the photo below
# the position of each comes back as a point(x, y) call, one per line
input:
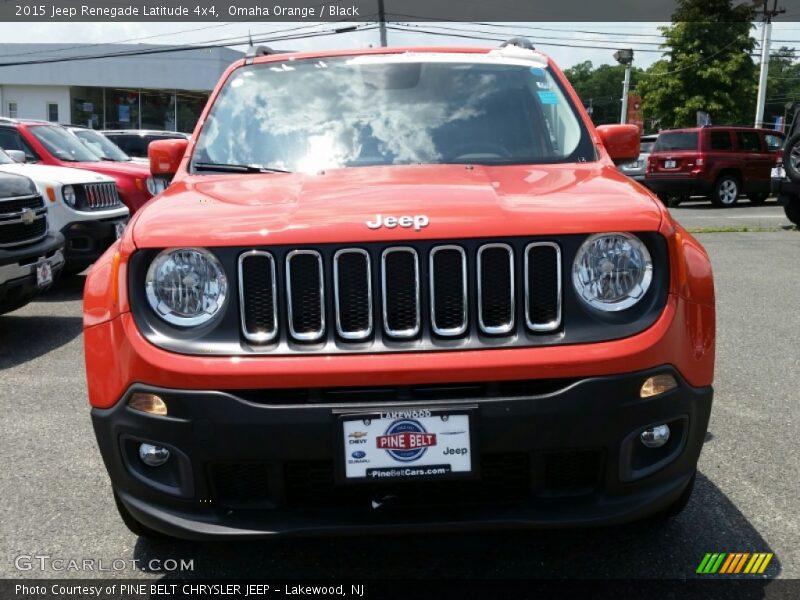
point(186, 286)
point(68, 192)
point(156, 185)
point(612, 271)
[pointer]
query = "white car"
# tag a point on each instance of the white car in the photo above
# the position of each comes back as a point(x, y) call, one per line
point(82, 205)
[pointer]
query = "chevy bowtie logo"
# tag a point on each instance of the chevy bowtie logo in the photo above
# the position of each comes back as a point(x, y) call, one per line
point(416, 221)
point(28, 216)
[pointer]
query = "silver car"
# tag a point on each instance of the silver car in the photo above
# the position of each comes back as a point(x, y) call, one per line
point(636, 168)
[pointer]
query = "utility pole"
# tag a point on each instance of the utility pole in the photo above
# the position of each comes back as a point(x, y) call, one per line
point(382, 23)
point(766, 20)
point(625, 57)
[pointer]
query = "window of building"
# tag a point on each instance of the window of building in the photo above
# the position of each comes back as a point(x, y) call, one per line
point(721, 140)
point(122, 108)
point(52, 112)
point(12, 110)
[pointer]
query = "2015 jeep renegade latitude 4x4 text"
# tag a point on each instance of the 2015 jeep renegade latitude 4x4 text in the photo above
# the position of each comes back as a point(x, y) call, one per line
point(397, 289)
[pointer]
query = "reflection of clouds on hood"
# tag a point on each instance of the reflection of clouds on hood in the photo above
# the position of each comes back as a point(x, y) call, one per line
point(314, 117)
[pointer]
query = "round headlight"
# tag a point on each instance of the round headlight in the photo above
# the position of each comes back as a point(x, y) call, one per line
point(186, 286)
point(68, 192)
point(612, 271)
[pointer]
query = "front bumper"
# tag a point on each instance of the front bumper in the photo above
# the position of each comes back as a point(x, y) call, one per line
point(85, 241)
point(255, 464)
point(18, 270)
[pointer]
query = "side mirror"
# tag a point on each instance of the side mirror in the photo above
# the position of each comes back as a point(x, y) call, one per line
point(16, 155)
point(621, 141)
point(166, 156)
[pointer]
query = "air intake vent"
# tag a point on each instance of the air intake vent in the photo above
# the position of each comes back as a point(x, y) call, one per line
point(543, 286)
point(448, 272)
point(401, 314)
point(352, 277)
point(305, 295)
point(496, 288)
point(257, 296)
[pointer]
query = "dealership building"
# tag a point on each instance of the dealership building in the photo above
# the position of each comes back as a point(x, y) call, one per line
point(159, 87)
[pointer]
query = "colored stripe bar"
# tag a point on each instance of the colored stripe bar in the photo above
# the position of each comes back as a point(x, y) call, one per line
point(703, 563)
point(766, 562)
point(715, 567)
point(741, 562)
point(753, 564)
point(726, 565)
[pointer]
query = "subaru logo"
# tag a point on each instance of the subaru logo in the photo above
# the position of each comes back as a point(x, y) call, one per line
point(358, 454)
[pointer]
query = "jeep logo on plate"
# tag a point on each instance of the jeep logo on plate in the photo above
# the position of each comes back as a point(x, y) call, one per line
point(416, 221)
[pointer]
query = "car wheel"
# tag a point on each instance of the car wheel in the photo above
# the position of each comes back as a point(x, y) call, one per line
point(791, 158)
point(133, 525)
point(677, 506)
point(726, 191)
point(759, 198)
point(792, 210)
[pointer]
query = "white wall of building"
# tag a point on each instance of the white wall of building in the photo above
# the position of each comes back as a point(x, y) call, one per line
point(32, 101)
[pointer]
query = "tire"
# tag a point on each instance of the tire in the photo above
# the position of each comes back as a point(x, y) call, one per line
point(670, 200)
point(792, 210)
point(133, 525)
point(677, 506)
point(791, 158)
point(726, 191)
point(758, 198)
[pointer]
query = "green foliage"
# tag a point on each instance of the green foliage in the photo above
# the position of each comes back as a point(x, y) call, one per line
point(707, 66)
point(601, 88)
point(783, 84)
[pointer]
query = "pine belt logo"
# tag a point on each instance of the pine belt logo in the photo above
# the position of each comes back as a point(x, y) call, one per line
point(406, 440)
point(734, 563)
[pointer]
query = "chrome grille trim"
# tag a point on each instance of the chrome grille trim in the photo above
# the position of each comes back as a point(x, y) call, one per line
point(401, 333)
point(454, 331)
point(352, 335)
point(509, 326)
point(309, 336)
point(258, 337)
point(556, 323)
point(101, 195)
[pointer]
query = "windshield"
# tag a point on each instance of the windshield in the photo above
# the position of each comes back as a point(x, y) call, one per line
point(309, 115)
point(62, 144)
point(646, 147)
point(101, 145)
point(5, 159)
point(680, 140)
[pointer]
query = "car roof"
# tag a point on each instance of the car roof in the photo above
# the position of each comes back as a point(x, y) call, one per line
point(143, 132)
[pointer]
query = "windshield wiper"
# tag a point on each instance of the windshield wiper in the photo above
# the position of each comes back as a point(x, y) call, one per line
point(225, 168)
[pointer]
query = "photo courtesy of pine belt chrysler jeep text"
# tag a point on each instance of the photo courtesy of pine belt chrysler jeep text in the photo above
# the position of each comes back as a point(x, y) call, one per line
point(398, 289)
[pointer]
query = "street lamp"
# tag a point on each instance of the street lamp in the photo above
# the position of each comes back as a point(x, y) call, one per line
point(625, 57)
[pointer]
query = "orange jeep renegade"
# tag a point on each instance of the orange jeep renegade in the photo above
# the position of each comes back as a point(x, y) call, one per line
point(398, 289)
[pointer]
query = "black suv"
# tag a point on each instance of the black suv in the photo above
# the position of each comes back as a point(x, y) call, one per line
point(134, 142)
point(30, 256)
point(787, 186)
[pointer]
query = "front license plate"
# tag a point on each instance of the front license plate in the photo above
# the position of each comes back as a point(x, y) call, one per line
point(44, 273)
point(407, 444)
point(119, 228)
point(669, 164)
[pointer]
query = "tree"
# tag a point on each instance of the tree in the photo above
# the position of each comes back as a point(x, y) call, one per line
point(707, 66)
point(601, 88)
point(783, 84)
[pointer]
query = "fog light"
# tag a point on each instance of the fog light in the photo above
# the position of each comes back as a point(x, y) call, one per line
point(655, 437)
point(153, 456)
point(657, 384)
point(149, 403)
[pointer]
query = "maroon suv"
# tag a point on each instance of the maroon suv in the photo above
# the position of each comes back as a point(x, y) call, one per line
point(720, 163)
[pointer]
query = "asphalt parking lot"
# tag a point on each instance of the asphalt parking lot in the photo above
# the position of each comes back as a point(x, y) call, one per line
point(57, 500)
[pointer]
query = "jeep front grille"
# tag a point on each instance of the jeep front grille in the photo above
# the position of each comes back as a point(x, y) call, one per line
point(23, 220)
point(97, 196)
point(443, 291)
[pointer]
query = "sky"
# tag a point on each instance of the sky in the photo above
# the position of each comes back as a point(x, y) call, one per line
point(559, 40)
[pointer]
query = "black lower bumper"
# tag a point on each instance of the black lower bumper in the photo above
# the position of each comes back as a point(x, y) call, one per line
point(684, 186)
point(85, 241)
point(564, 456)
point(18, 270)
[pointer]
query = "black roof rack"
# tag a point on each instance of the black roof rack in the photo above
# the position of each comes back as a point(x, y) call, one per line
point(519, 42)
point(254, 51)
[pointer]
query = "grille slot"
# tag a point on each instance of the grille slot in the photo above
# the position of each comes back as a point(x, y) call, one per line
point(305, 295)
point(352, 286)
point(496, 288)
point(257, 296)
point(448, 274)
point(16, 232)
point(97, 196)
point(16, 205)
point(543, 286)
point(400, 279)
